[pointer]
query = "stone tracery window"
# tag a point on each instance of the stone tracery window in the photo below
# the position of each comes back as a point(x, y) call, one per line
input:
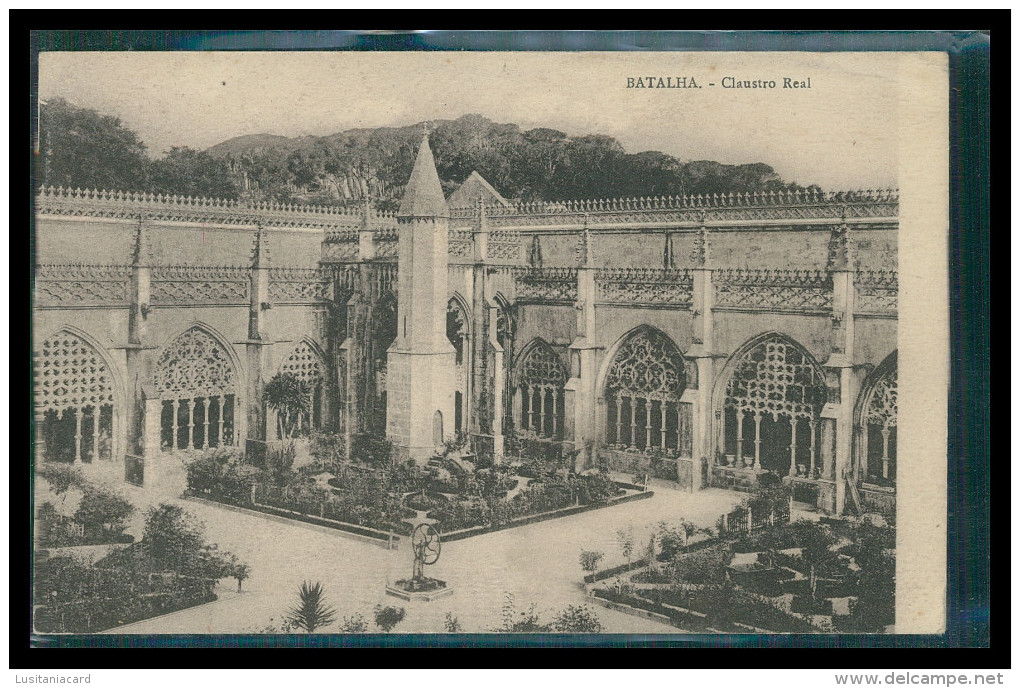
point(74, 395)
point(778, 388)
point(197, 382)
point(880, 429)
point(541, 376)
point(305, 364)
point(642, 392)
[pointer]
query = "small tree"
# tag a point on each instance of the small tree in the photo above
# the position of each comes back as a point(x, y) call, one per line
point(625, 536)
point(290, 397)
point(311, 612)
point(387, 618)
point(240, 572)
point(590, 561)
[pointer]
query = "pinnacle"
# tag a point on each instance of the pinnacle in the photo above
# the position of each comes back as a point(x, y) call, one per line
point(424, 195)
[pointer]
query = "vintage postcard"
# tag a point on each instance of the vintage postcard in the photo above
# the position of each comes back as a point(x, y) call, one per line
point(490, 342)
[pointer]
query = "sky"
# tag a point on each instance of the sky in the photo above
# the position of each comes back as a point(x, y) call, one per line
point(841, 133)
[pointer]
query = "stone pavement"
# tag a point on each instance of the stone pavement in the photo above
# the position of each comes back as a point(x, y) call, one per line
point(536, 563)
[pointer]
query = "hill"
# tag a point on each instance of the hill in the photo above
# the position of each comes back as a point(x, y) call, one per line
point(532, 165)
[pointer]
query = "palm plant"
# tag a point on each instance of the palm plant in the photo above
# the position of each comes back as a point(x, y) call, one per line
point(312, 612)
point(290, 397)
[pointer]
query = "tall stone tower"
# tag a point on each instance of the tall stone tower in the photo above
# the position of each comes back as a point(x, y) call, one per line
point(421, 367)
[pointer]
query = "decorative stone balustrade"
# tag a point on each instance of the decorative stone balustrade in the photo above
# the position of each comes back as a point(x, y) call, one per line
point(189, 285)
point(299, 285)
point(877, 291)
point(546, 284)
point(77, 284)
point(173, 208)
point(644, 286)
point(773, 289)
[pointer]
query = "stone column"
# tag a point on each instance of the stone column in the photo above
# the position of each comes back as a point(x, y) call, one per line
point(839, 366)
point(702, 300)
point(152, 432)
point(251, 422)
point(480, 374)
point(134, 422)
point(579, 391)
point(496, 354)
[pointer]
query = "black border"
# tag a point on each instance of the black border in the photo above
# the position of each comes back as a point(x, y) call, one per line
point(971, 525)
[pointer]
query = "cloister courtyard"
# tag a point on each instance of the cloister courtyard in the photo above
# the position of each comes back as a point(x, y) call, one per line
point(536, 563)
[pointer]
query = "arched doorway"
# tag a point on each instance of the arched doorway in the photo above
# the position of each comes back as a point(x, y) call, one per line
point(773, 399)
point(74, 400)
point(540, 378)
point(197, 382)
point(642, 393)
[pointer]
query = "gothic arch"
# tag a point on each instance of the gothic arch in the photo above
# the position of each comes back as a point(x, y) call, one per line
point(875, 424)
point(307, 362)
point(198, 378)
point(774, 383)
point(643, 378)
point(79, 398)
point(538, 379)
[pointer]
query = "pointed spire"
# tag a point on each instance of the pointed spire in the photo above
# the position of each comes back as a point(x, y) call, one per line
point(260, 248)
point(423, 196)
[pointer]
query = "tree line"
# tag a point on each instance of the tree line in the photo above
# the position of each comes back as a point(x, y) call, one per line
point(79, 147)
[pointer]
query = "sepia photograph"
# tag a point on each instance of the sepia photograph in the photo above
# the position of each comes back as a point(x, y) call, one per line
point(489, 343)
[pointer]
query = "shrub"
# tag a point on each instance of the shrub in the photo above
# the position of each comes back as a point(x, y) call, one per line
point(577, 619)
point(103, 513)
point(595, 488)
point(673, 539)
point(61, 477)
point(354, 624)
point(311, 611)
point(329, 449)
point(171, 535)
point(280, 462)
point(387, 618)
point(590, 559)
point(372, 451)
point(705, 566)
point(452, 624)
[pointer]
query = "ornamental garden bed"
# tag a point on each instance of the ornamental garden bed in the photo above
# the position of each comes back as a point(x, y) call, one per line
point(375, 500)
point(834, 575)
